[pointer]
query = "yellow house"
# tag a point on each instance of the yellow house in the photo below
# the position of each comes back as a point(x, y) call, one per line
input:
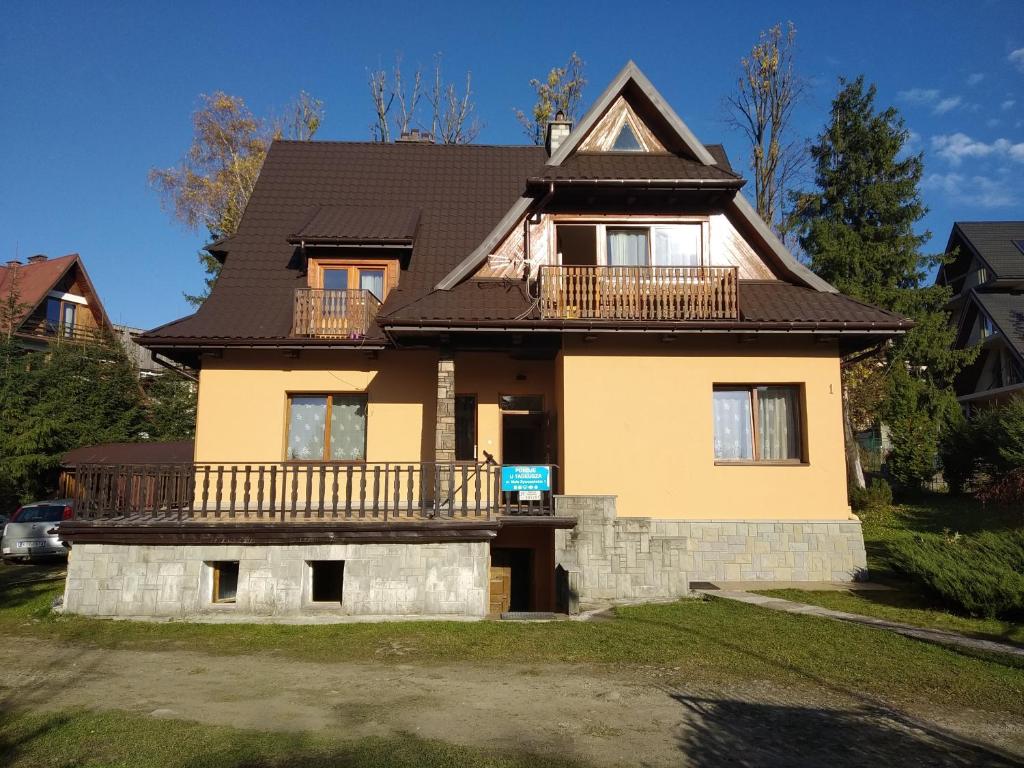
point(468, 380)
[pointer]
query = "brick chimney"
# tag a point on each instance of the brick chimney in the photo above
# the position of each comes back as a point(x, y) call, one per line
point(415, 136)
point(37, 258)
point(557, 132)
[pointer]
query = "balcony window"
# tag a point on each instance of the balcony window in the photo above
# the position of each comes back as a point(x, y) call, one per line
point(375, 277)
point(628, 248)
point(757, 424)
point(465, 427)
point(327, 428)
point(60, 316)
point(655, 245)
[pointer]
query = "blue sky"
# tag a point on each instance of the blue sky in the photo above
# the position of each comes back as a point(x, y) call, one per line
point(94, 94)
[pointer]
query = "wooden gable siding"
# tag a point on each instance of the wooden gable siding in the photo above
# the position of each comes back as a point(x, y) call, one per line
point(602, 137)
point(85, 316)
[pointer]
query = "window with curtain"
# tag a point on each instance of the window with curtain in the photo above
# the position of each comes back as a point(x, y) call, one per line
point(757, 423)
point(628, 248)
point(372, 280)
point(677, 245)
point(327, 428)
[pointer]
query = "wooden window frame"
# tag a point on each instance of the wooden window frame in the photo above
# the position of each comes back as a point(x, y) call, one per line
point(755, 426)
point(390, 267)
point(476, 426)
point(327, 427)
point(624, 221)
point(215, 567)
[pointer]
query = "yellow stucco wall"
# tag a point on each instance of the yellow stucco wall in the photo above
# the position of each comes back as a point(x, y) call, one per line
point(636, 422)
point(631, 417)
point(243, 400)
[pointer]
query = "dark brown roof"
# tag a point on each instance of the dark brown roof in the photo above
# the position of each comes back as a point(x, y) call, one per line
point(995, 242)
point(460, 193)
point(360, 224)
point(636, 166)
point(128, 453)
point(1007, 312)
point(761, 303)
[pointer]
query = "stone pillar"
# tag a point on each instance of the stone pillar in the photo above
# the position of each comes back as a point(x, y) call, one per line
point(444, 434)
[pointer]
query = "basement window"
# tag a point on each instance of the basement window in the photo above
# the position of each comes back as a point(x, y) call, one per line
point(328, 577)
point(225, 580)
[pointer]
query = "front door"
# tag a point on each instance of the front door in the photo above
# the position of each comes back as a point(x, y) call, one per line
point(522, 438)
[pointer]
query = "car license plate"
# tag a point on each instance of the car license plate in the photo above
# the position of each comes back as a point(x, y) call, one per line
point(34, 544)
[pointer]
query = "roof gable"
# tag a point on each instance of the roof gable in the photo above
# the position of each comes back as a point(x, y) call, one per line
point(32, 283)
point(621, 130)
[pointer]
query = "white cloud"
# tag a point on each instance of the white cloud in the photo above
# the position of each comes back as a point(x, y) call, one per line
point(919, 95)
point(975, 78)
point(1017, 58)
point(992, 122)
point(1008, 104)
point(946, 105)
point(975, 190)
point(956, 147)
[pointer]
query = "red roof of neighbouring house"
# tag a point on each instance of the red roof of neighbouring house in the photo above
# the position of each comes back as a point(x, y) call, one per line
point(33, 280)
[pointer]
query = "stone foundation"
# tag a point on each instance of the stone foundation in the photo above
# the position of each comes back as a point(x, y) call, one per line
point(632, 558)
point(175, 581)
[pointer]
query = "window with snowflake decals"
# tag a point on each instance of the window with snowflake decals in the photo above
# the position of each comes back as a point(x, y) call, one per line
point(326, 428)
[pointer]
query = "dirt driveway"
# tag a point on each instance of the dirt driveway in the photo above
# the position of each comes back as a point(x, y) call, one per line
point(605, 717)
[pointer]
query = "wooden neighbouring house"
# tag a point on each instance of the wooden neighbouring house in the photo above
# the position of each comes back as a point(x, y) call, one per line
point(454, 380)
point(47, 301)
point(986, 275)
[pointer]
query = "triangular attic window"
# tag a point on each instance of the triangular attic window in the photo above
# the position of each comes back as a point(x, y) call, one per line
point(627, 141)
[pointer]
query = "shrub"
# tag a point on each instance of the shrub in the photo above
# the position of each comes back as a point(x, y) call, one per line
point(877, 495)
point(1008, 489)
point(980, 575)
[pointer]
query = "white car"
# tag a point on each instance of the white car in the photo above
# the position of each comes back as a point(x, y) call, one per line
point(31, 531)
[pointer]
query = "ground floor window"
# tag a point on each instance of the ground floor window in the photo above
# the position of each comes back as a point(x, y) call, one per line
point(757, 423)
point(326, 427)
point(465, 427)
point(328, 577)
point(225, 581)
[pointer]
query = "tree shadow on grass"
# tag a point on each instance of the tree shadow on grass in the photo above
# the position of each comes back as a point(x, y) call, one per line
point(24, 583)
point(720, 732)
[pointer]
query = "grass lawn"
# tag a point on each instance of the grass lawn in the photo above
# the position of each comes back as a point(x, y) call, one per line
point(936, 513)
point(114, 739)
point(693, 642)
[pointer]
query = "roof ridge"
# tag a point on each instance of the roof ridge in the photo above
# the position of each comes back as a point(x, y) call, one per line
point(365, 143)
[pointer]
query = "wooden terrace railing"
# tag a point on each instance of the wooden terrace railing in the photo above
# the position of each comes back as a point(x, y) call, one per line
point(62, 331)
point(333, 314)
point(638, 293)
point(297, 492)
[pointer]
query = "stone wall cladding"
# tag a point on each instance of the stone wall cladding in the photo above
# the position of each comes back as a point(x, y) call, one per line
point(612, 558)
point(173, 581)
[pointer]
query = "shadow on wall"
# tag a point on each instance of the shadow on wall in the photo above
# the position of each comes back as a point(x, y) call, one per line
point(717, 732)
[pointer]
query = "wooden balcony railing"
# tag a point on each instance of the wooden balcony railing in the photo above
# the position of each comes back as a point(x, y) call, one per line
point(295, 493)
point(333, 314)
point(61, 331)
point(638, 293)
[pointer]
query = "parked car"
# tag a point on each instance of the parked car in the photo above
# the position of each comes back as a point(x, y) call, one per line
point(31, 531)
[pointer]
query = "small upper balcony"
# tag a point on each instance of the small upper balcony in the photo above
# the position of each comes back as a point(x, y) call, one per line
point(331, 313)
point(669, 294)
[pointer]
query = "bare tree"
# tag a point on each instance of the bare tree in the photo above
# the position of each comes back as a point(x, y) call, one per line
point(454, 120)
point(397, 105)
point(301, 119)
point(561, 91)
point(762, 107)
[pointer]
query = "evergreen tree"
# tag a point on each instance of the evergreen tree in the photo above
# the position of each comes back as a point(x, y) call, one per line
point(858, 230)
point(171, 406)
point(50, 402)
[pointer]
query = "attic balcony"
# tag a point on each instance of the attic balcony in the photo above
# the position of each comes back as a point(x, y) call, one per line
point(639, 293)
point(70, 332)
point(337, 314)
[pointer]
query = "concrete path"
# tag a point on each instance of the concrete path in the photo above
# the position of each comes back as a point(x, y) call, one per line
point(938, 636)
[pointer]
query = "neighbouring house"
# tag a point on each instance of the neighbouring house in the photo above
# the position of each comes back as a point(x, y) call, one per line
point(460, 380)
point(173, 452)
point(986, 275)
point(47, 301)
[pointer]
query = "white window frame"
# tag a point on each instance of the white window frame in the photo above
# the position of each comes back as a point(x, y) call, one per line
point(603, 224)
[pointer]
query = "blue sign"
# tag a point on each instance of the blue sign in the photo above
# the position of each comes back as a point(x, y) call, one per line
point(525, 477)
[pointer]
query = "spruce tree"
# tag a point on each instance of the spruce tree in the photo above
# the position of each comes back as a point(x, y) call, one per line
point(858, 230)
